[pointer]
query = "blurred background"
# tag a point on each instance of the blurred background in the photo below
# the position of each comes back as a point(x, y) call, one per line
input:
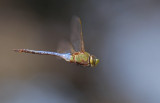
point(124, 35)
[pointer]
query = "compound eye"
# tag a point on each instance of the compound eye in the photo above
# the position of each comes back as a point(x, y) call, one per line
point(92, 60)
point(96, 61)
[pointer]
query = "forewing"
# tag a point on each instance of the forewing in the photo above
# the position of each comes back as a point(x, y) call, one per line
point(76, 34)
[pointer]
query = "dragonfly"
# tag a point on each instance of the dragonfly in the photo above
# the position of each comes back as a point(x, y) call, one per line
point(73, 51)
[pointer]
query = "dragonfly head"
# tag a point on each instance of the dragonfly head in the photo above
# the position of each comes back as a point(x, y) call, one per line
point(93, 61)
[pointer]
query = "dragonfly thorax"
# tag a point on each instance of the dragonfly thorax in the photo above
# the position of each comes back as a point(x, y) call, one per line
point(84, 58)
point(81, 58)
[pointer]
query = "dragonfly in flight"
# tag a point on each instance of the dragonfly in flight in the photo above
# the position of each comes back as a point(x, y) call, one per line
point(74, 51)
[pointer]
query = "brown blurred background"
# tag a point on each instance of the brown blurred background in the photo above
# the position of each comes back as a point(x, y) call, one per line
point(124, 35)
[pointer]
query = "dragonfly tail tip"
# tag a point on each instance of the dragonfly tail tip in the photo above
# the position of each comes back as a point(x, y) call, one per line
point(17, 50)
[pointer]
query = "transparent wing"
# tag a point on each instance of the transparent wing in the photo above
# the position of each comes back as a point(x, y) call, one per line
point(76, 34)
point(65, 47)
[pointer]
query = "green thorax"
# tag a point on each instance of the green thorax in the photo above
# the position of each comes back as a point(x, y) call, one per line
point(80, 58)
